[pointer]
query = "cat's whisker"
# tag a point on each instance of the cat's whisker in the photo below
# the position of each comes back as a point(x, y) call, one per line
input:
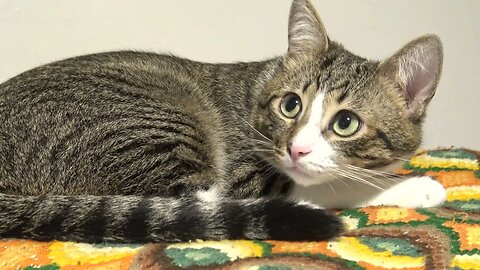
point(329, 184)
point(269, 171)
point(375, 172)
point(264, 150)
point(344, 183)
point(381, 179)
point(354, 173)
point(263, 165)
point(263, 143)
point(262, 160)
point(267, 160)
point(265, 155)
point(256, 130)
point(331, 187)
point(268, 168)
point(376, 176)
point(335, 174)
point(371, 172)
point(264, 146)
point(353, 176)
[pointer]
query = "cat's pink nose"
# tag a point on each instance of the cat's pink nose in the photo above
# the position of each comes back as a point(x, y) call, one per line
point(296, 151)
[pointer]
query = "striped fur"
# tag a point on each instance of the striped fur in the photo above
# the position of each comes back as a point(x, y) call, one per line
point(117, 146)
point(155, 219)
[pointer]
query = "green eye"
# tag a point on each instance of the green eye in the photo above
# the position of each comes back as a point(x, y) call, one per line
point(291, 105)
point(345, 124)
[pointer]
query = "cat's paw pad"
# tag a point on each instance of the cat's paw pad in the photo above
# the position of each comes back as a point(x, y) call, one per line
point(419, 192)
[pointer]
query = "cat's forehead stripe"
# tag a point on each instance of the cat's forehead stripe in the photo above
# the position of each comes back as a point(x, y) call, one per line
point(309, 129)
point(316, 113)
point(323, 107)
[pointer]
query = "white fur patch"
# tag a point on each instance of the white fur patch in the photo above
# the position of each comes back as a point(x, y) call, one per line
point(209, 205)
point(320, 157)
point(311, 134)
point(211, 195)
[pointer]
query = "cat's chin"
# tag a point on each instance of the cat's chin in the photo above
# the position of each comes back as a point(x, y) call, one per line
point(304, 178)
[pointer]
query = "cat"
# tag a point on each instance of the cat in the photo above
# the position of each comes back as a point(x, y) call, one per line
point(142, 147)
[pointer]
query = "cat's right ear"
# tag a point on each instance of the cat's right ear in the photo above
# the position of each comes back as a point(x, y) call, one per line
point(416, 70)
point(306, 32)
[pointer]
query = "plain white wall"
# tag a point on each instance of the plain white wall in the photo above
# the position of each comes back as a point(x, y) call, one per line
point(36, 32)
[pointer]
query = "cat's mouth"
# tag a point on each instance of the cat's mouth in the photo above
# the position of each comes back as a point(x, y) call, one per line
point(307, 175)
point(300, 170)
point(305, 171)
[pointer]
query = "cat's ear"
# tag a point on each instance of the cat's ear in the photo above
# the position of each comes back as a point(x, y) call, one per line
point(306, 32)
point(416, 70)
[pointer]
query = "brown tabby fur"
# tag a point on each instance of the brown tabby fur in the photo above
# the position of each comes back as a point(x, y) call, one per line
point(114, 146)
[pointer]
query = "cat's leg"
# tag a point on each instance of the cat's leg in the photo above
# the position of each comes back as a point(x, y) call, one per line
point(413, 192)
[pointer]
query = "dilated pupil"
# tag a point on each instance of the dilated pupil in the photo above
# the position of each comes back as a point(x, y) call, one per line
point(291, 104)
point(344, 121)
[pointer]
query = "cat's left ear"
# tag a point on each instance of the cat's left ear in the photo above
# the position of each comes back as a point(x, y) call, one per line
point(416, 70)
point(306, 32)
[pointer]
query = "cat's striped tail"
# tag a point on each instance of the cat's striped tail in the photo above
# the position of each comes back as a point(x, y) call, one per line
point(143, 219)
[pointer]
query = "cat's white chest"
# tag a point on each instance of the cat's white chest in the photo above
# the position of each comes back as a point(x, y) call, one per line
point(412, 192)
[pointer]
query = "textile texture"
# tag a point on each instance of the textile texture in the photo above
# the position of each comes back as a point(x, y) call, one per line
point(446, 237)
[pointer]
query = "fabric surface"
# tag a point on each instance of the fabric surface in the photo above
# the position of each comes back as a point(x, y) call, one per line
point(446, 237)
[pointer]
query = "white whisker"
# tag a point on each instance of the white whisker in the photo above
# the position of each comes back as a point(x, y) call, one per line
point(383, 178)
point(351, 175)
point(374, 172)
point(256, 131)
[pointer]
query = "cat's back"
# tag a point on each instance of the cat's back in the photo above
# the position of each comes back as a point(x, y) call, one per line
point(68, 124)
point(137, 68)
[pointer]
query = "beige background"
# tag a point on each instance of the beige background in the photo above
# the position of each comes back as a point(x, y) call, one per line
point(36, 32)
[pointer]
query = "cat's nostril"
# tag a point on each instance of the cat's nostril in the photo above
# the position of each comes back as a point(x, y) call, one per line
point(303, 153)
point(296, 151)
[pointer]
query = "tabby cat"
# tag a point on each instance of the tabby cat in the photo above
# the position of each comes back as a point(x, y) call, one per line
point(137, 147)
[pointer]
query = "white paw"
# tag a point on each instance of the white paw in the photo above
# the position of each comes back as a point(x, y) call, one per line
point(415, 192)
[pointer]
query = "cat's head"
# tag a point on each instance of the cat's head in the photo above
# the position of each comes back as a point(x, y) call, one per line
point(326, 109)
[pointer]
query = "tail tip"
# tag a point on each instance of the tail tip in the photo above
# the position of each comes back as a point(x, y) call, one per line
point(304, 223)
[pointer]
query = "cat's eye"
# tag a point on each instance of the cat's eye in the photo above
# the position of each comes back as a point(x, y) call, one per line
point(345, 123)
point(291, 105)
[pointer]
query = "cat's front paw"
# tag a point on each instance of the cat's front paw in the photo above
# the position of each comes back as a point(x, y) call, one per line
point(425, 192)
point(414, 192)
